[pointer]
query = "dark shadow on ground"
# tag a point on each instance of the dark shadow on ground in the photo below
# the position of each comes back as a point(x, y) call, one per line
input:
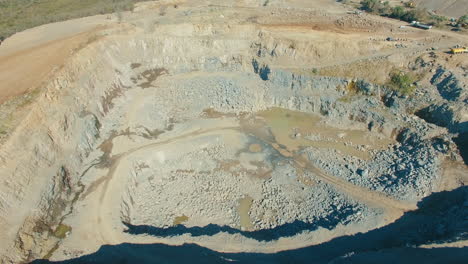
point(440, 218)
point(462, 143)
point(286, 230)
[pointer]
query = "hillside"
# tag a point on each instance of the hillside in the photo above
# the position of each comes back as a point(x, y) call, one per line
point(18, 15)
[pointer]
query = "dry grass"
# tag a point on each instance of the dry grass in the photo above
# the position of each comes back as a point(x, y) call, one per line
point(13, 110)
point(18, 15)
point(61, 231)
point(374, 71)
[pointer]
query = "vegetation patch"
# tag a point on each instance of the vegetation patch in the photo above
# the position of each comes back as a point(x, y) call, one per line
point(407, 12)
point(399, 12)
point(62, 230)
point(463, 21)
point(402, 82)
point(18, 15)
point(180, 219)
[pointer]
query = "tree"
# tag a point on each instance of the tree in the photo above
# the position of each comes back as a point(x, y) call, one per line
point(369, 5)
point(398, 12)
point(376, 6)
point(414, 15)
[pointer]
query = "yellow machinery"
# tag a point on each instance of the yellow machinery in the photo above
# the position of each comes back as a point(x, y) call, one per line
point(459, 50)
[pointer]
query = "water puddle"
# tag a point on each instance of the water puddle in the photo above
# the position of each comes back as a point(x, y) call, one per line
point(293, 130)
point(243, 210)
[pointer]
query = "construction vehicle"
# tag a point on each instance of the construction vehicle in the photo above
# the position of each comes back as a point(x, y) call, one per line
point(357, 12)
point(459, 50)
point(419, 25)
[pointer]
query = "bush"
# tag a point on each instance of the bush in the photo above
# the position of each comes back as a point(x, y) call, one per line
point(402, 82)
point(372, 5)
point(438, 20)
point(463, 21)
point(414, 15)
point(398, 12)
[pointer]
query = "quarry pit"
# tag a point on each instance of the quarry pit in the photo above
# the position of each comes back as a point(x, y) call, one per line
point(237, 128)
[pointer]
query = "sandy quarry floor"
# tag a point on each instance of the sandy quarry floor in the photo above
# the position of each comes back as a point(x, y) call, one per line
point(234, 126)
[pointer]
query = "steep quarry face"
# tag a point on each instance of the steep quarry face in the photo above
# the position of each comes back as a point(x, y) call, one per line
point(206, 133)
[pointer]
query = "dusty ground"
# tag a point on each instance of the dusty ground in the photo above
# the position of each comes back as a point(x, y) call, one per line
point(253, 126)
point(451, 8)
point(39, 51)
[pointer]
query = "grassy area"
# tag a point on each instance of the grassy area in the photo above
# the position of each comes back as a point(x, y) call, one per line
point(18, 15)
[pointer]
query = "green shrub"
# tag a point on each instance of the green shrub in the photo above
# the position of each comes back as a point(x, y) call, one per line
point(368, 5)
point(415, 15)
point(398, 12)
point(438, 20)
point(402, 82)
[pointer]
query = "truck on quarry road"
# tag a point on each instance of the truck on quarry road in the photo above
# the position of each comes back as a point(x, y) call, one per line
point(419, 25)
